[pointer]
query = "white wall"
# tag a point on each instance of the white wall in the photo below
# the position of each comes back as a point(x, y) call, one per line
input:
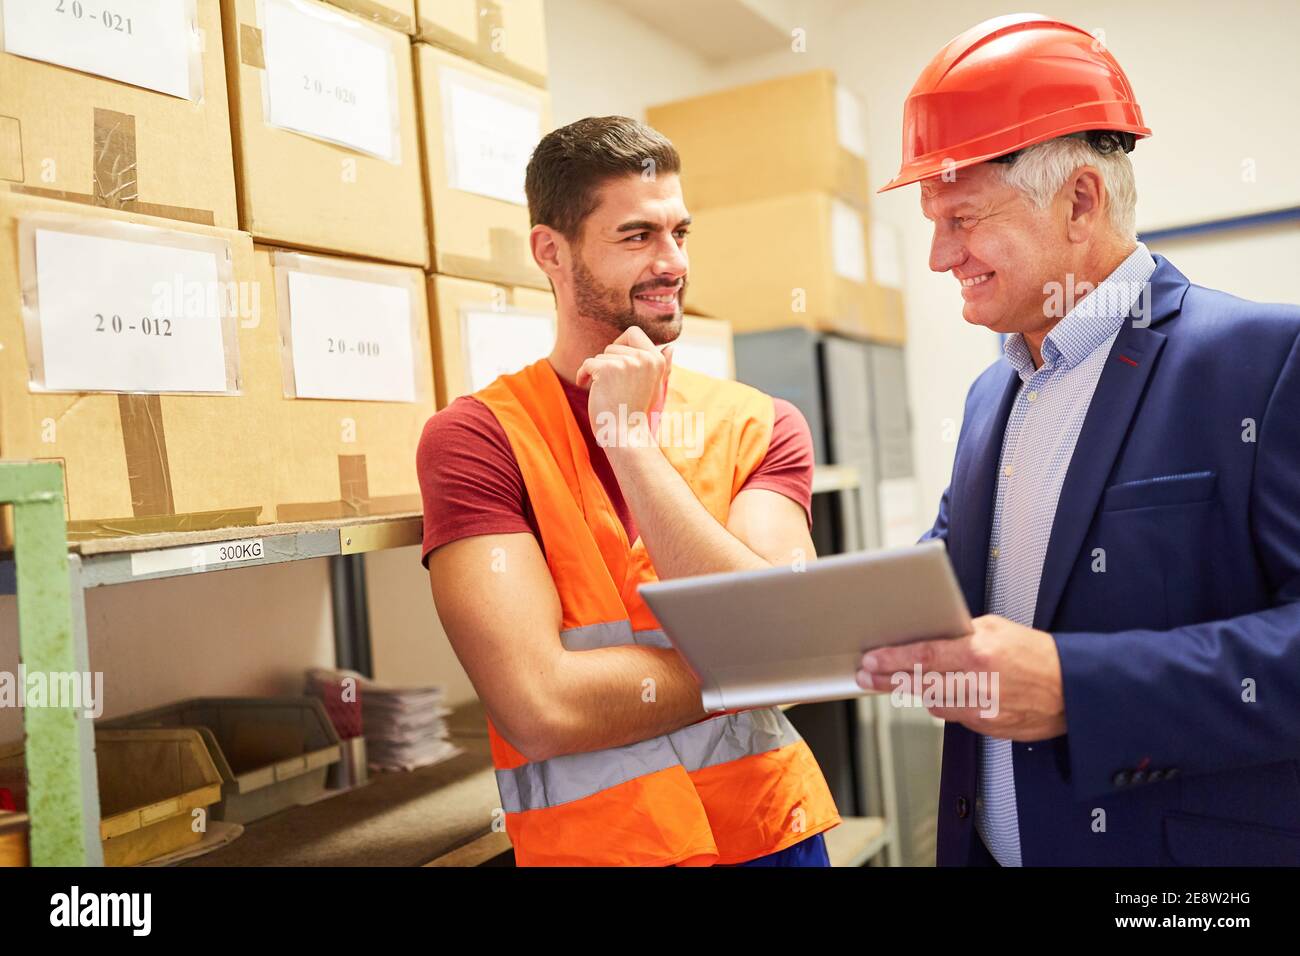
point(604, 62)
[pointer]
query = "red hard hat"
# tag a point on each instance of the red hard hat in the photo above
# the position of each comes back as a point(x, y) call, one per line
point(1008, 83)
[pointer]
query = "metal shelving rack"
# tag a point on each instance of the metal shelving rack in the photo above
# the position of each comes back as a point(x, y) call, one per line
point(50, 577)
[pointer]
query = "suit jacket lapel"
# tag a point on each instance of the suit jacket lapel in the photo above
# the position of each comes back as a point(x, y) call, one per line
point(1119, 392)
point(974, 485)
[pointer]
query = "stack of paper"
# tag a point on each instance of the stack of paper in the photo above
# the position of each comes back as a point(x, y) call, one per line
point(403, 726)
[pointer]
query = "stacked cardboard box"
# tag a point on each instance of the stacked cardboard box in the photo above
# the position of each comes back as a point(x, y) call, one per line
point(133, 354)
point(706, 345)
point(509, 37)
point(481, 72)
point(397, 15)
point(327, 150)
point(329, 173)
point(357, 383)
point(185, 378)
point(129, 346)
point(104, 125)
point(775, 177)
point(481, 330)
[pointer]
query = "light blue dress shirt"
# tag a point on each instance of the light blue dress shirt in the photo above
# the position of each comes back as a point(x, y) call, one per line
point(1041, 432)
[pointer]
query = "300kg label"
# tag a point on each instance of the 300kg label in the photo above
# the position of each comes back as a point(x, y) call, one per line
point(240, 551)
point(197, 558)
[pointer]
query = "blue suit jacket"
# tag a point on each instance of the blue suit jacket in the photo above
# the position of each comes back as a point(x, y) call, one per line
point(1181, 659)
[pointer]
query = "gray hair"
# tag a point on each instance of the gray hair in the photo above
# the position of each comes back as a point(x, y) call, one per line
point(1041, 170)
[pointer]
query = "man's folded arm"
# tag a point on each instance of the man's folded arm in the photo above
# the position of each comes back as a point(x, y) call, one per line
point(501, 612)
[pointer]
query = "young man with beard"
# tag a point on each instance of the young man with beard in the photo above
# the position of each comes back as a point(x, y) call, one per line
point(536, 537)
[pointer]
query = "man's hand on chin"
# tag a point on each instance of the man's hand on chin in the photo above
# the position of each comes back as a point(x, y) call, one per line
point(1015, 678)
point(632, 375)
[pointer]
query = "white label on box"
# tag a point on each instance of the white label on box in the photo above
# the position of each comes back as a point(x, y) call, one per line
point(330, 78)
point(497, 343)
point(351, 339)
point(147, 43)
point(848, 246)
point(885, 255)
point(898, 518)
point(707, 358)
point(126, 315)
point(849, 128)
point(490, 133)
point(197, 557)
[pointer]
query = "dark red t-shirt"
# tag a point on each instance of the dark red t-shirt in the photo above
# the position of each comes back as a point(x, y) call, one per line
point(472, 484)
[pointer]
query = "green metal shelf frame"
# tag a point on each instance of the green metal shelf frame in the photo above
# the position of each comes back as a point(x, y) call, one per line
point(62, 789)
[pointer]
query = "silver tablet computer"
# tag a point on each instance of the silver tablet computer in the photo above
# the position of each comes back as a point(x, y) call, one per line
point(777, 636)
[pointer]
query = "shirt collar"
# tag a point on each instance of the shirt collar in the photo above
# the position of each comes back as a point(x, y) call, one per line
point(1091, 322)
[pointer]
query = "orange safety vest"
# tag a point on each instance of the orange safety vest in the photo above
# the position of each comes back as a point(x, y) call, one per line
point(726, 789)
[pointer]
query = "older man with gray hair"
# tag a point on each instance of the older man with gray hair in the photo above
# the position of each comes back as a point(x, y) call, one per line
point(1124, 509)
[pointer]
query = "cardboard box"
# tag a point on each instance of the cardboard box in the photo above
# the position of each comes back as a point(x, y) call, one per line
point(706, 345)
point(791, 134)
point(887, 321)
point(478, 213)
point(339, 458)
point(136, 463)
point(304, 191)
point(480, 330)
point(397, 15)
point(70, 135)
point(507, 35)
point(887, 270)
point(809, 268)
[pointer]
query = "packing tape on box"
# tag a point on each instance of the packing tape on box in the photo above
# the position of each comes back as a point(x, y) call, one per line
point(11, 149)
point(140, 413)
point(115, 172)
point(382, 15)
point(484, 47)
point(354, 499)
point(145, 443)
point(250, 47)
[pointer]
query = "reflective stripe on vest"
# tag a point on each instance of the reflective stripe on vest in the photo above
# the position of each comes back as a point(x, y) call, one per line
point(569, 777)
point(563, 779)
point(610, 634)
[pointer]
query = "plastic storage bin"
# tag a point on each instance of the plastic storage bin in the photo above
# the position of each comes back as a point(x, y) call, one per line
point(13, 839)
point(272, 752)
point(150, 783)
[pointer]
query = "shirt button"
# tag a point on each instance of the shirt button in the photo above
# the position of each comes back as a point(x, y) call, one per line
point(1032, 396)
point(1007, 471)
point(963, 808)
point(993, 552)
